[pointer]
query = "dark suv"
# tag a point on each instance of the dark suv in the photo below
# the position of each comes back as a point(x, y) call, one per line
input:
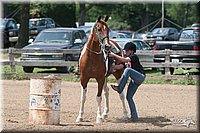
point(54, 39)
point(9, 30)
point(162, 34)
point(36, 25)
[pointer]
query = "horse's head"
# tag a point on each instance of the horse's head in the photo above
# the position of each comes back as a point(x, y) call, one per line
point(100, 31)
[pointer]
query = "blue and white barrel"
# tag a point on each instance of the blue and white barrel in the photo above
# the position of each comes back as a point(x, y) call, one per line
point(44, 103)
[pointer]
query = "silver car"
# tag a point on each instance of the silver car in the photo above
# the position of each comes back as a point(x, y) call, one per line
point(140, 45)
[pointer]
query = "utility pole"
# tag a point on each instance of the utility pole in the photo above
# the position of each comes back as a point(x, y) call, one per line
point(163, 18)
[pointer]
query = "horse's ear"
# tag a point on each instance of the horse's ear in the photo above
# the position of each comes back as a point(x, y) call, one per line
point(99, 18)
point(106, 19)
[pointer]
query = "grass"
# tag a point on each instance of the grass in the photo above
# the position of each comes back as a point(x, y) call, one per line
point(6, 56)
point(73, 78)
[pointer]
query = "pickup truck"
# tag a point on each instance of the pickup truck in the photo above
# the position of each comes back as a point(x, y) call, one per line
point(36, 25)
point(188, 40)
point(10, 30)
point(53, 39)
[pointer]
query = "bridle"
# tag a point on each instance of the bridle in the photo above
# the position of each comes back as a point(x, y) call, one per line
point(100, 38)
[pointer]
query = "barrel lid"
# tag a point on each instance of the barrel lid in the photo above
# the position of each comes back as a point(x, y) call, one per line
point(51, 76)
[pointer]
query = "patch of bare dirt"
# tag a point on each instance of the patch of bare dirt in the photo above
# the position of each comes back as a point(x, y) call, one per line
point(160, 108)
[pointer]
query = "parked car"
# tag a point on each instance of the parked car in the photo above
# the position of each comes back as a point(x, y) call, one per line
point(123, 34)
point(54, 39)
point(9, 30)
point(140, 45)
point(150, 41)
point(87, 29)
point(189, 40)
point(36, 25)
point(190, 34)
point(112, 34)
point(162, 34)
point(139, 36)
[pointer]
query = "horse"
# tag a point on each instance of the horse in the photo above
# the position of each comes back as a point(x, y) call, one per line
point(92, 65)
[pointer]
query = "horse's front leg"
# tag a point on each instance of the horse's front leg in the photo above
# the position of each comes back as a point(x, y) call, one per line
point(99, 118)
point(83, 98)
point(122, 97)
point(99, 99)
point(106, 98)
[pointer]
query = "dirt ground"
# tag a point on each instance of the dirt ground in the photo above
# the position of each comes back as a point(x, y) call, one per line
point(160, 108)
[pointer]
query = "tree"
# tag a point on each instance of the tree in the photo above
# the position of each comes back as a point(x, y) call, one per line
point(197, 11)
point(63, 14)
point(82, 14)
point(123, 16)
point(24, 29)
point(11, 10)
point(184, 14)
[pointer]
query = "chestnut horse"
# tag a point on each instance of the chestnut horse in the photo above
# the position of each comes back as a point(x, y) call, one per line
point(92, 65)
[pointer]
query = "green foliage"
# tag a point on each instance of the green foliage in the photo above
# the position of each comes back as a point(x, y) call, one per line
point(12, 10)
point(130, 16)
point(63, 14)
point(126, 16)
point(184, 14)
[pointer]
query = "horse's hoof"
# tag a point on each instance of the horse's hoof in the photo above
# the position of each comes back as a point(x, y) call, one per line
point(99, 120)
point(79, 119)
point(104, 116)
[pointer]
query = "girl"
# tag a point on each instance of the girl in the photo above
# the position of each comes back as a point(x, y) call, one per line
point(134, 70)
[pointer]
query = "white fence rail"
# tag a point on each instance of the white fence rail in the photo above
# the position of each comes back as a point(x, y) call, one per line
point(12, 62)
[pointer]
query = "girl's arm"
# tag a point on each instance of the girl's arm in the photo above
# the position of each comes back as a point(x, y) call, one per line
point(117, 57)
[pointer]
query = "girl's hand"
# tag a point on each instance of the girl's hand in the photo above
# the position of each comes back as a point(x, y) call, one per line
point(111, 54)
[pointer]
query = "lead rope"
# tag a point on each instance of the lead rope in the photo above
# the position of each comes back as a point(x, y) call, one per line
point(105, 52)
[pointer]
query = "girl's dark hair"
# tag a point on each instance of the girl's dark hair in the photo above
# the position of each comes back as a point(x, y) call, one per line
point(130, 46)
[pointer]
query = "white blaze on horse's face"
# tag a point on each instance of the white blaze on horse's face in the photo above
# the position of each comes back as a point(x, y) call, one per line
point(106, 40)
point(102, 31)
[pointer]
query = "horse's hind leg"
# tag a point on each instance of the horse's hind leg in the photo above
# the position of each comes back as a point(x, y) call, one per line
point(106, 97)
point(125, 116)
point(83, 98)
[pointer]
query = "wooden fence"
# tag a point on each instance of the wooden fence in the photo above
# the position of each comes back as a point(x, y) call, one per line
point(12, 62)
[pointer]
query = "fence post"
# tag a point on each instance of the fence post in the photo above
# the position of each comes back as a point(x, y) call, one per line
point(11, 59)
point(167, 61)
